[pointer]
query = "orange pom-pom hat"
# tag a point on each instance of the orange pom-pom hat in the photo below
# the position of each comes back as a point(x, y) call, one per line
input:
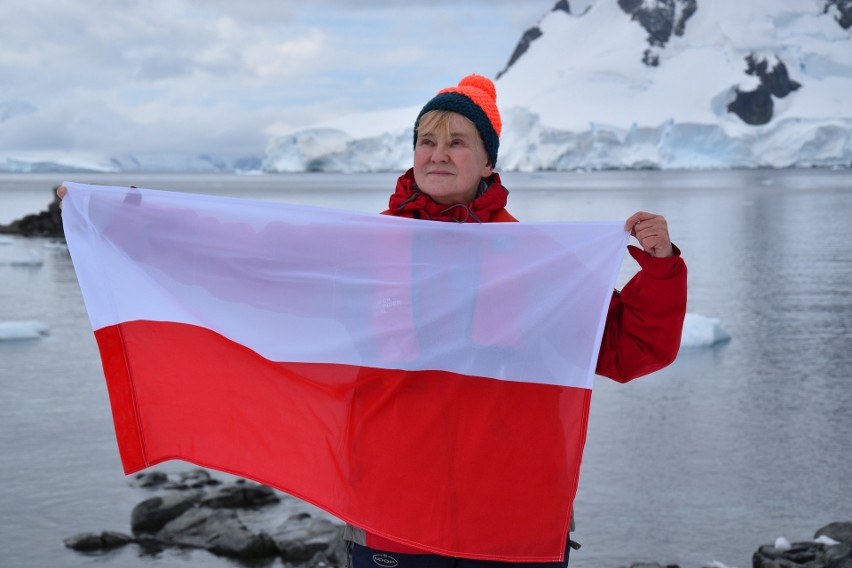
point(475, 97)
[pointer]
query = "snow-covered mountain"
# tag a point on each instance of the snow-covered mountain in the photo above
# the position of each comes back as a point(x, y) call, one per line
point(643, 84)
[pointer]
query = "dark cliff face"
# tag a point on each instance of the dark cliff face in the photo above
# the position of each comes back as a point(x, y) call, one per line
point(661, 19)
point(756, 107)
point(530, 36)
point(844, 11)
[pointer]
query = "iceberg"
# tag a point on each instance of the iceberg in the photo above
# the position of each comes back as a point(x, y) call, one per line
point(701, 331)
point(30, 258)
point(22, 330)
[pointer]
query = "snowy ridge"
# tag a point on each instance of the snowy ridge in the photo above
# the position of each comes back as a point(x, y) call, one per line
point(692, 84)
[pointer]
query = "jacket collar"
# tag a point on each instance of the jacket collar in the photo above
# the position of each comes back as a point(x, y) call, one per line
point(408, 200)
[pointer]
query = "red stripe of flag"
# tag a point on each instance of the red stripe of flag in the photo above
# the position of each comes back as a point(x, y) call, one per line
point(444, 462)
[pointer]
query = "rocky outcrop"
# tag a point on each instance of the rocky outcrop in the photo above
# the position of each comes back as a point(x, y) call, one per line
point(194, 510)
point(831, 548)
point(756, 107)
point(661, 19)
point(218, 531)
point(88, 542)
point(842, 10)
point(302, 537)
point(48, 223)
point(530, 35)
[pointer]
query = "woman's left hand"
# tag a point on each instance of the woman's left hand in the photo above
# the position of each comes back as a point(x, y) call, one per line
point(652, 232)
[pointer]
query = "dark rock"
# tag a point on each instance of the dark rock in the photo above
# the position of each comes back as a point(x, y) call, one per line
point(650, 58)
point(838, 556)
point(777, 81)
point(48, 223)
point(114, 539)
point(562, 6)
point(301, 537)
point(220, 532)
point(150, 515)
point(184, 519)
point(844, 12)
point(753, 107)
point(529, 36)
point(661, 19)
point(195, 479)
point(241, 496)
point(841, 532)
point(151, 479)
point(804, 555)
point(688, 8)
point(87, 542)
point(756, 107)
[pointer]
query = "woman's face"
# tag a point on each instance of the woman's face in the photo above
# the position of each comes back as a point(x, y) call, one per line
point(450, 162)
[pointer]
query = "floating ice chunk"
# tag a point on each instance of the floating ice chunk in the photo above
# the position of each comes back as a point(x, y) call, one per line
point(22, 329)
point(702, 331)
point(715, 564)
point(6, 240)
point(782, 543)
point(55, 245)
point(28, 258)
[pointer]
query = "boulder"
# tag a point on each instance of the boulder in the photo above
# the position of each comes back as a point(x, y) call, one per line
point(219, 531)
point(241, 495)
point(150, 479)
point(152, 514)
point(107, 540)
point(195, 479)
point(302, 536)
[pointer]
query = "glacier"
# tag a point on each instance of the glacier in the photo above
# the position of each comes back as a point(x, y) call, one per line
point(607, 89)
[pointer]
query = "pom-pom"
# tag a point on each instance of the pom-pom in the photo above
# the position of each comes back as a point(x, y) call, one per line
point(480, 82)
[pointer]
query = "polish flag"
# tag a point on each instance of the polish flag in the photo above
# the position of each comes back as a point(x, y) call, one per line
point(428, 382)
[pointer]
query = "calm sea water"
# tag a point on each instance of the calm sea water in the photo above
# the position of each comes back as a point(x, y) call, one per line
point(727, 449)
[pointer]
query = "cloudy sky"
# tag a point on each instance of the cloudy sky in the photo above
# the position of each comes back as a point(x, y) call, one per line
point(223, 76)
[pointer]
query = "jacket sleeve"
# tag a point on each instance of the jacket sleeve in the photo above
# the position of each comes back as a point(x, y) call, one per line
point(645, 320)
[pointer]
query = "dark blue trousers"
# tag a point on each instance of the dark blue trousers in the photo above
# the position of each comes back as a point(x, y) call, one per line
point(365, 557)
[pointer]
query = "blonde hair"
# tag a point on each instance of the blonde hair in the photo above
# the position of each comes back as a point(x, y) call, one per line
point(440, 121)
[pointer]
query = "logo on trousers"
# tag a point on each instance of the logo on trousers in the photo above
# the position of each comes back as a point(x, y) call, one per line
point(385, 560)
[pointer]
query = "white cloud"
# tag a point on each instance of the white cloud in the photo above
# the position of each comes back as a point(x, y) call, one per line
point(215, 75)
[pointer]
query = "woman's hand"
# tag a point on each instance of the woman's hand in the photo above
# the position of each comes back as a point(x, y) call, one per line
point(60, 193)
point(652, 232)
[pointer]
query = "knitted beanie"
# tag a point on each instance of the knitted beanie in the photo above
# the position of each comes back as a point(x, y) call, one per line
point(475, 98)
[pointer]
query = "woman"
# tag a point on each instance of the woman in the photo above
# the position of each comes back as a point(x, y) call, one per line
point(456, 139)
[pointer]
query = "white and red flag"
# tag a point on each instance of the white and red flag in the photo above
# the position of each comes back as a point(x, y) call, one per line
point(428, 382)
